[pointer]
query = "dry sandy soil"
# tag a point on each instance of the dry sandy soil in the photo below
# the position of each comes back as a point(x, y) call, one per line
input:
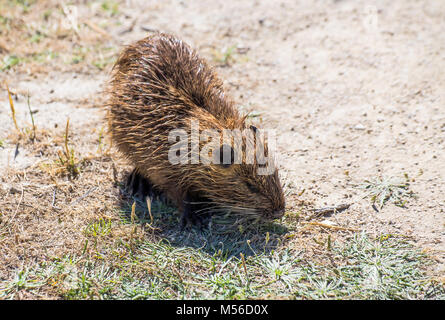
point(355, 90)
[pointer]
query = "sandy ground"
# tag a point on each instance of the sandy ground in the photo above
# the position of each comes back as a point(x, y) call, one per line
point(355, 90)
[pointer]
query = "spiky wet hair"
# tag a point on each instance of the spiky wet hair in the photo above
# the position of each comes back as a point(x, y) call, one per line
point(159, 84)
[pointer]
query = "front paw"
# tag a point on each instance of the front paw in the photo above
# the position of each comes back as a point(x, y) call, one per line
point(140, 187)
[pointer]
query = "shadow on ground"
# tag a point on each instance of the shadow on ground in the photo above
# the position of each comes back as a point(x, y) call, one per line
point(221, 238)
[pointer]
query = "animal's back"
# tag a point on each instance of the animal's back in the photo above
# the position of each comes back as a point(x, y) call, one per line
point(161, 71)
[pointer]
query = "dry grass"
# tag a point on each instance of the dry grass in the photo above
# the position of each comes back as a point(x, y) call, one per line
point(43, 36)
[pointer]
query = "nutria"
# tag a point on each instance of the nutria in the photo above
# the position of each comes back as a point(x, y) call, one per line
point(158, 85)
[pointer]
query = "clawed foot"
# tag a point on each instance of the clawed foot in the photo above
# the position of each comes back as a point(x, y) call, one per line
point(140, 187)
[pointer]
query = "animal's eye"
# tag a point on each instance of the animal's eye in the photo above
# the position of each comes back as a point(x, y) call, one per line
point(252, 187)
point(226, 156)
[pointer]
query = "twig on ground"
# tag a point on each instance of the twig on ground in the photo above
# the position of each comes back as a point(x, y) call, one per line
point(16, 152)
point(83, 196)
point(324, 225)
point(129, 28)
point(53, 203)
point(328, 210)
point(17, 208)
point(98, 29)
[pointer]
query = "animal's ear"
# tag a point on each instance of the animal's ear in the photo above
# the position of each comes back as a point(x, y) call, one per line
point(226, 156)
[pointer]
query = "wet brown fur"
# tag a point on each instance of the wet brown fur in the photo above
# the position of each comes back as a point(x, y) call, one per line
point(159, 84)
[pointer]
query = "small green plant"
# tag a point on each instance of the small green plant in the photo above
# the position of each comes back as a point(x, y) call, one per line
point(23, 281)
point(77, 59)
point(99, 228)
point(382, 190)
point(67, 158)
point(46, 14)
point(224, 57)
point(79, 54)
point(228, 55)
point(9, 61)
point(24, 4)
point(105, 56)
point(110, 6)
point(101, 140)
point(5, 21)
point(37, 37)
point(44, 56)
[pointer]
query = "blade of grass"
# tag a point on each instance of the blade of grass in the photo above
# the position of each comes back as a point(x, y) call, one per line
point(67, 152)
point(32, 120)
point(11, 105)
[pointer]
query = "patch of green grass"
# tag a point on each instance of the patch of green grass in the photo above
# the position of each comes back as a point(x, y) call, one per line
point(112, 7)
point(24, 279)
point(5, 22)
point(105, 56)
point(226, 56)
point(46, 14)
point(9, 61)
point(77, 59)
point(37, 37)
point(98, 228)
point(102, 62)
point(79, 54)
point(45, 56)
point(383, 190)
point(366, 268)
point(100, 140)
point(89, 281)
point(384, 268)
point(24, 4)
